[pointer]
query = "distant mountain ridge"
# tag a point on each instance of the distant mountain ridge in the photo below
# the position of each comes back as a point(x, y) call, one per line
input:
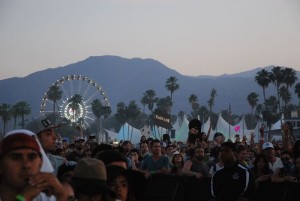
point(127, 79)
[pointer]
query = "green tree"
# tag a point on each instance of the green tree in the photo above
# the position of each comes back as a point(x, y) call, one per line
point(149, 97)
point(164, 104)
point(75, 101)
point(277, 78)
point(54, 94)
point(211, 101)
point(121, 114)
point(297, 91)
point(290, 77)
point(23, 109)
point(272, 104)
point(172, 86)
point(252, 99)
point(286, 96)
point(97, 111)
point(5, 113)
point(263, 79)
point(193, 100)
point(15, 114)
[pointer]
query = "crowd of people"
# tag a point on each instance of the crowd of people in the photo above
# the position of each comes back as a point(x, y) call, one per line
point(41, 165)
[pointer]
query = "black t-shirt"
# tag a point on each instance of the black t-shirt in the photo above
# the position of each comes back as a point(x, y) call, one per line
point(231, 183)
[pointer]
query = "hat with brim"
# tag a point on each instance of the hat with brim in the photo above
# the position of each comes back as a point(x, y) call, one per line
point(46, 125)
point(267, 145)
point(136, 179)
point(90, 177)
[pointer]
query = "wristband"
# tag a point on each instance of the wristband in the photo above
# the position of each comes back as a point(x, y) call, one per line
point(20, 197)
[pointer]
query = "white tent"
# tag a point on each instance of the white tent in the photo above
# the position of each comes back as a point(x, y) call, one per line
point(111, 135)
point(277, 125)
point(230, 131)
point(182, 134)
point(130, 133)
point(176, 125)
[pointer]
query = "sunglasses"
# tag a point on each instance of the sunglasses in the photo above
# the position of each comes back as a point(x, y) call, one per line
point(285, 159)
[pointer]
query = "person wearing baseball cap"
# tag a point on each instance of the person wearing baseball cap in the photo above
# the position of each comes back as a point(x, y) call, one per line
point(269, 152)
point(48, 138)
point(21, 160)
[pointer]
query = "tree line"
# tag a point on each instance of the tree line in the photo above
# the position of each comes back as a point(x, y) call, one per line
point(269, 110)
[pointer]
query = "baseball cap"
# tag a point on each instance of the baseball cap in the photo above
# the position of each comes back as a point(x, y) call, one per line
point(45, 125)
point(267, 145)
point(19, 141)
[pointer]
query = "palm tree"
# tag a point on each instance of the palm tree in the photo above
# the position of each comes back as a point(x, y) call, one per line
point(193, 100)
point(5, 113)
point(285, 95)
point(23, 109)
point(97, 111)
point(263, 79)
point(15, 114)
point(171, 85)
point(121, 114)
point(277, 78)
point(272, 104)
point(252, 100)
point(290, 77)
point(144, 102)
point(75, 102)
point(164, 104)
point(211, 101)
point(150, 99)
point(54, 94)
point(297, 91)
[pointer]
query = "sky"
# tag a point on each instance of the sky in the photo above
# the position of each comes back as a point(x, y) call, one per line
point(193, 37)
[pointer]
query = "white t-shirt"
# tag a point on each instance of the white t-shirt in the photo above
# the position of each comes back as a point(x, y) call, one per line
point(215, 168)
point(276, 164)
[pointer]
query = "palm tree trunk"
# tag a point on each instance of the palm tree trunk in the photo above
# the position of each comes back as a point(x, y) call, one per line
point(15, 123)
point(23, 122)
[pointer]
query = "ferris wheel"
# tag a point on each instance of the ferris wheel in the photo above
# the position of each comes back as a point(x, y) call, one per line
point(74, 96)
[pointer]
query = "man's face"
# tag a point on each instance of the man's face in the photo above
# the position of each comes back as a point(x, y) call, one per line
point(144, 148)
point(269, 153)
point(127, 147)
point(218, 140)
point(227, 154)
point(169, 150)
point(18, 166)
point(48, 140)
point(79, 144)
point(156, 148)
point(242, 155)
point(199, 154)
point(134, 156)
point(65, 145)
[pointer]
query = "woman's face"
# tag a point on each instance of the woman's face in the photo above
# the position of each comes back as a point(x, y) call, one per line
point(120, 186)
point(177, 158)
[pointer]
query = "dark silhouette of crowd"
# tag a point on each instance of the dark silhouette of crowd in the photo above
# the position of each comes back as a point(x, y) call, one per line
point(41, 165)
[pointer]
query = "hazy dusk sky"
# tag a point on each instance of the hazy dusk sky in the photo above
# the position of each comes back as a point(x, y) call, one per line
point(193, 37)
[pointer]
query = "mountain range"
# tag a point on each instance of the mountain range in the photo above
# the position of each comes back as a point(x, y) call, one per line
point(124, 80)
